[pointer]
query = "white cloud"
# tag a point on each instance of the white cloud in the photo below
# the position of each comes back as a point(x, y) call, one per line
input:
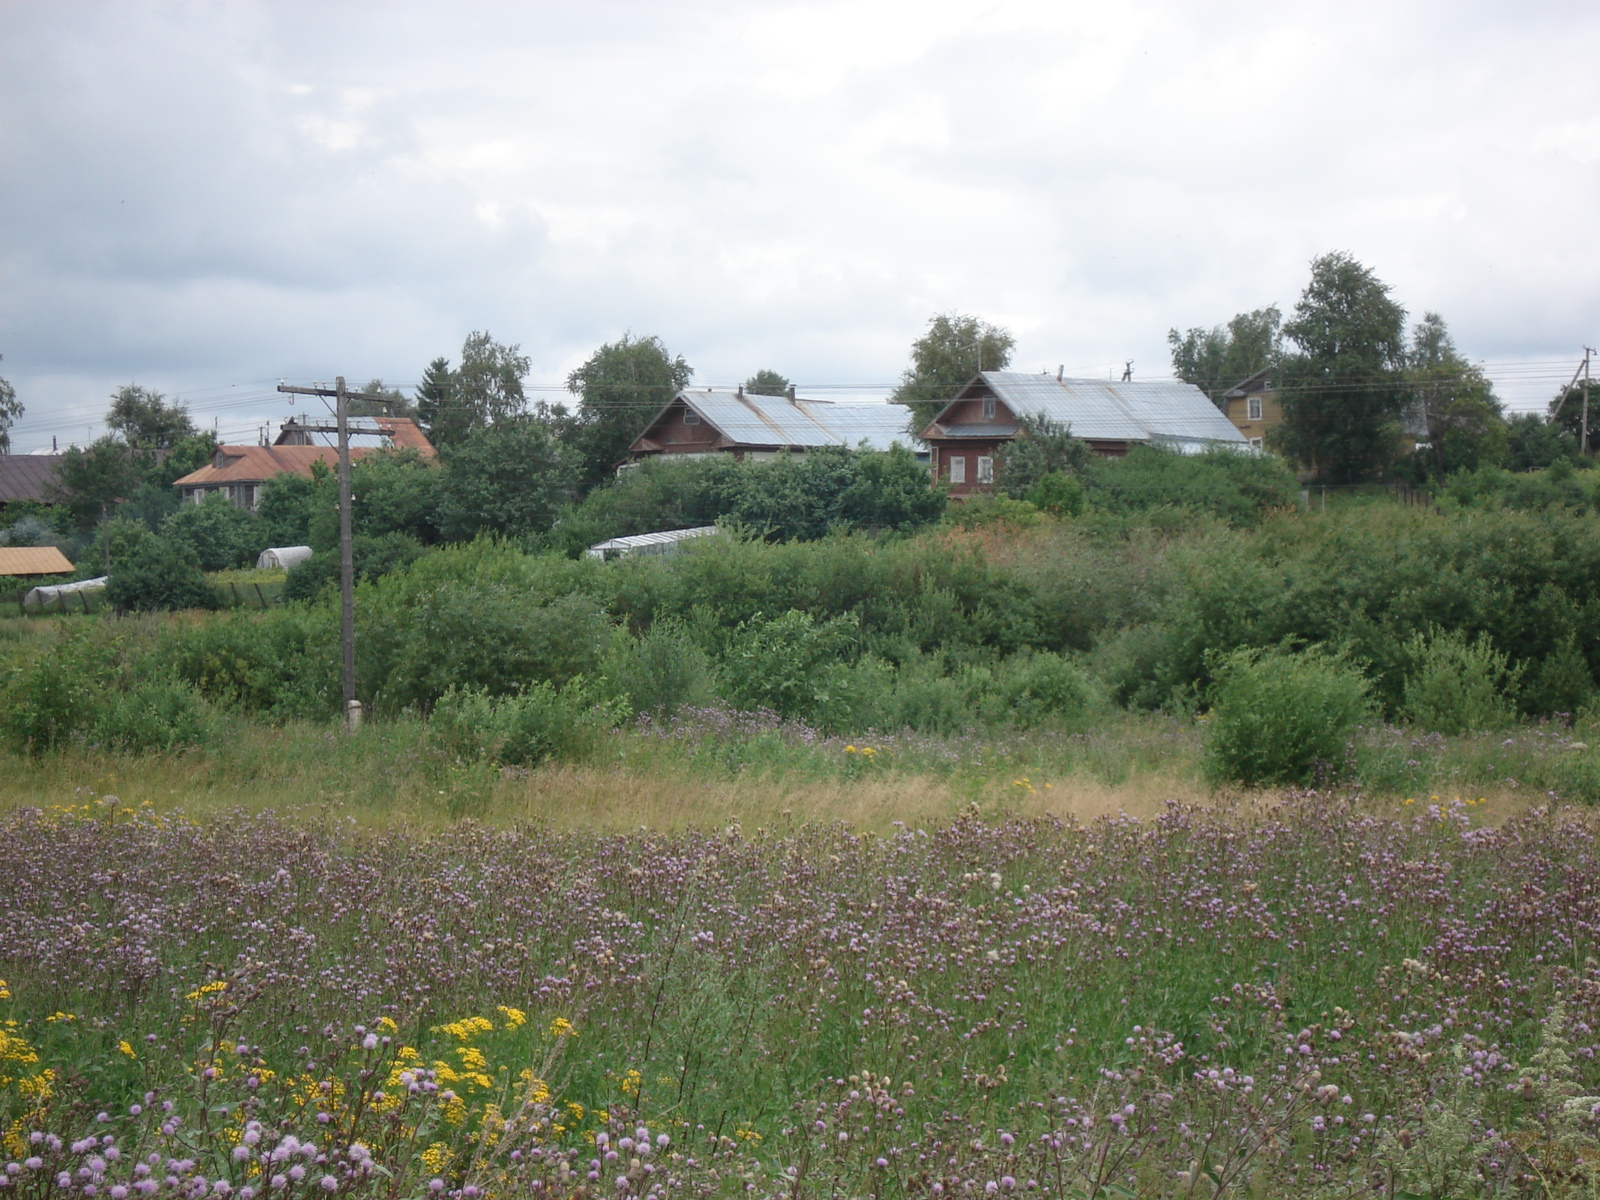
point(203, 194)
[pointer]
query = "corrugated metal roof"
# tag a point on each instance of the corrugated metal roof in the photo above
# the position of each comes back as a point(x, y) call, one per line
point(778, 421)
point(26, 476)
point(33, 560)
point(1103, 410)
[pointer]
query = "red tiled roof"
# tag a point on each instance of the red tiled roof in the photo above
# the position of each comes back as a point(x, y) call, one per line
point(26, 476)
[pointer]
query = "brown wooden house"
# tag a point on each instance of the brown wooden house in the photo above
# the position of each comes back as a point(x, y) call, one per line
point(968, 435)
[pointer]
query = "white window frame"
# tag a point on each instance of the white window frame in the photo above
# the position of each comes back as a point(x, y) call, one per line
point(988, 408)
point(985, 469)
point(1256, 442)
point(690, 417)
point(1252, 408)
point(958, 468)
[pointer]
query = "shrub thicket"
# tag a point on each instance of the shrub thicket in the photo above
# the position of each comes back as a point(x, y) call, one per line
point(1279, 717)
point(1455, 685)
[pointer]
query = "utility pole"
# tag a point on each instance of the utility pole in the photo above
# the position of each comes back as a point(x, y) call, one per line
point(1583, 370)
point(1583, 447)
point(347, 573)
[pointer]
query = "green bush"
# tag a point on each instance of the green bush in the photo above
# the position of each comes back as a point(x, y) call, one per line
point(792, 664)
point(215, 535)
point(524, 728)
point(371, 557)
point(1279, 717)
point(1058, 493)
point(160, 578)
point(154, 716)
point(660, 671)
point(51, 700)
point(1456, 685)
point(1032, 687)
point(280, 664)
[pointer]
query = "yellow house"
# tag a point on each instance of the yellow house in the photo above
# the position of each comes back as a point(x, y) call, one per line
point(1252, 406)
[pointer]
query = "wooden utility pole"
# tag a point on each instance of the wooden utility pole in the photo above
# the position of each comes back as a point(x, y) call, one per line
point(347, 572)
point(1584, 446)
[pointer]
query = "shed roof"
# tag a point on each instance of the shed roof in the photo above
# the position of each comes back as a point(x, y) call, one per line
point(26, 476)
point(33, 560)
point(1103, 410)
point(751, 420)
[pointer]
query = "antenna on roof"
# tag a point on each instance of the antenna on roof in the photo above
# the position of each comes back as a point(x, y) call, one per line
point(1127, 371)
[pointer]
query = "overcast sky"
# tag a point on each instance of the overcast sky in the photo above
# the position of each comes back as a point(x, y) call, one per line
point(205, 197)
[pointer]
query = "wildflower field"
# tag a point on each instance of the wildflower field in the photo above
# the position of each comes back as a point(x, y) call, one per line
point(1302, 1000)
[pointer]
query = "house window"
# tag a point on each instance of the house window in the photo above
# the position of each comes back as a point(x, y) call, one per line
point(985, 469)
point(690, 417)
point(1256, 442)
point(958, 469)
point(1252, 408)
point(988, 408)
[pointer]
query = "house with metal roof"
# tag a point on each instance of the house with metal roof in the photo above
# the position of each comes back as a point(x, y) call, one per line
point(733, 421)
point(239, 471)
point(1112, 417)
point(27, 476)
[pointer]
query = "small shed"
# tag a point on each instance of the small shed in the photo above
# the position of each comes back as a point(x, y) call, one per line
point(668, 541)
point(33, 560)
point(281, 558)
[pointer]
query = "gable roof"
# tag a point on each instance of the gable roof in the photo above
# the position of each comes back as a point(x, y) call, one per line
point(33, 560)
point(256, 464)
point(26, 476)
point(1176, 414)
point(745, 419)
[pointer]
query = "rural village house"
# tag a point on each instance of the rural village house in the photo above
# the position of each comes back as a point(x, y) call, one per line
point(1111, 417)
point(1252, 405)
point(27, 476)
point(239, 471)
point(710, 421)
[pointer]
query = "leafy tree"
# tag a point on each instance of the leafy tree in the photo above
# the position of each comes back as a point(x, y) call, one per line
point(10, 410)
point(511, 478)
point(944, 360)
point(1454, 402)
point(620, 388)
point(215, 534)
point(1566, 414)
point(285, 505)
point(391, 492)
point(396, 403)
point(1534, 442)
point(1343, 391)
point(159, 579)
point(1216, 359)
point(766, 383)
point(1042, 447)
point(142, 418)
point(485, 388)
point(90, 482)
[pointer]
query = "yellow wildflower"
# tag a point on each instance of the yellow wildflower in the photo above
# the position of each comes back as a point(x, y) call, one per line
point(515, 1017)
point(126, 1049)
point(561, 1027)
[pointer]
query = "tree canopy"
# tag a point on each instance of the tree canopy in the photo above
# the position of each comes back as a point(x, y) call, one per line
point(1217, 359)
point(141, 417)
point(944, 360)
point(1343, 390)
point(1453, 403)
point(620, 387)
point(766, 382)
point(10, 410)
point(484, 389)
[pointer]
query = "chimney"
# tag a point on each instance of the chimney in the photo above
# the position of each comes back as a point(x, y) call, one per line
point(740, 392)
point(791, 393)
point(1060, 371)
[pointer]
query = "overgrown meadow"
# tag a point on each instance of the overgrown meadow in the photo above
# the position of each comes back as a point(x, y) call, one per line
point(752, 872)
